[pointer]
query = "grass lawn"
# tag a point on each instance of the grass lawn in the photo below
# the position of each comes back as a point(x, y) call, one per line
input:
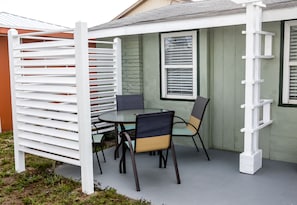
point(39, 185)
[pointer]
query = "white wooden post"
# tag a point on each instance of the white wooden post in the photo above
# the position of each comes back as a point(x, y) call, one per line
point(251, 158)
point(19, 156)
point(83, 101)
point(118, 53)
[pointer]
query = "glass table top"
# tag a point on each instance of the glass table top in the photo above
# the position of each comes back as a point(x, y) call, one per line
point(126, 116)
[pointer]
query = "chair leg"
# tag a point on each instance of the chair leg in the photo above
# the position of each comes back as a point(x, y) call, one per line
point(98, 162)
point(175, 163)
point(203, 147)
point(162, 159)
point(116, 151)
point(195, 143)
point(134, 170)
point(123, 160)
point(103, 153)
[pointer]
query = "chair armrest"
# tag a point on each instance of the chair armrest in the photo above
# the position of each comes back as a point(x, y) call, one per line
point(181, 121)
point(187, 124)
point(128, 138)
point(180, 118)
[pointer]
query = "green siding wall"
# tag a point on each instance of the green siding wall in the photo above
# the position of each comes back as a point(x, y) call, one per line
point(227, 71)
point(132, 73)
point(227, 45)
point(151, 79)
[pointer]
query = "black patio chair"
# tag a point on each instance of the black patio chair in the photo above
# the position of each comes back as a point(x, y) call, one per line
point(129, 102)
point(153, 133)
point(191, 127)
point(97, 141)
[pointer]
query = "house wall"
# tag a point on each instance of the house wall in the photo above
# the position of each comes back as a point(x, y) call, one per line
point(151, 78)
point(132, 73)
point(227, 45)
point(221, 70)
point(5, 102)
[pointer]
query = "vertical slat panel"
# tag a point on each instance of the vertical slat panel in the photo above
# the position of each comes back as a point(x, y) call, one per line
point(105, 72)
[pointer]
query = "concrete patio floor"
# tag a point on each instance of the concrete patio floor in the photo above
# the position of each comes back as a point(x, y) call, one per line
point(215, 182)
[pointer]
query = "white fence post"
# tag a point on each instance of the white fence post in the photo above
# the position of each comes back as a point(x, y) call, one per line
point(118, 53)
point(84, 112)
point(19, 156)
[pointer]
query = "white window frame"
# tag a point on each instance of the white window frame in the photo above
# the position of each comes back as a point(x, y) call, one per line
point(164, 67)
point(287, 64)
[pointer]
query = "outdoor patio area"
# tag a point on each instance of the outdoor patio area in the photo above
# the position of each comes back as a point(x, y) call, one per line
point(215, 182)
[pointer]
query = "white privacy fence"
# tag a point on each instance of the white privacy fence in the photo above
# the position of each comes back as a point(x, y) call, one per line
point(55, 77)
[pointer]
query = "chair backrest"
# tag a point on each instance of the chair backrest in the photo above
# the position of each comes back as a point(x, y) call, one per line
point(129, 102)
point(153, 131)
point(198, 112)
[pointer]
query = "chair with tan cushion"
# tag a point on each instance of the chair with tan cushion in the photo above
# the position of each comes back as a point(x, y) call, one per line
point(153, 133)
point(191, 127)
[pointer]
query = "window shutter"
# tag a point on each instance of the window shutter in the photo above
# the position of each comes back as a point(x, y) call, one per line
point(178, 62)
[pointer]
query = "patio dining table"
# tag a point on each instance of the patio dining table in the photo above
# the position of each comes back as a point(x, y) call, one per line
point(124, 117)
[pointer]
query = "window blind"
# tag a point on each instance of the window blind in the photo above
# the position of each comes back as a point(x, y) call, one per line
point(293, 83)
point(179, 50)
point(293, 64)
point(289, 95)
point(179, 81)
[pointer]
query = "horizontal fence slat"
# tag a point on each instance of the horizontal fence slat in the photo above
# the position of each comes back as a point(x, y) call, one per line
point(102, 69)
point(74, 154)
point(96, 88)
point(50, 156)
point(47, 97)
point(41, 121)
point(55, 115)
point(101, 50)
point(103, 94)
point(46, 80)
point(102, 75)
point(45, 44)
point(103, 107)
point(46, 62)
point(69, 144)
point(43, 53)
point(99, 63)
point(102, 81)
point(47, 106)
point(63, 134)
point(63, 89)
point(107, 129)
point(46, 71)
